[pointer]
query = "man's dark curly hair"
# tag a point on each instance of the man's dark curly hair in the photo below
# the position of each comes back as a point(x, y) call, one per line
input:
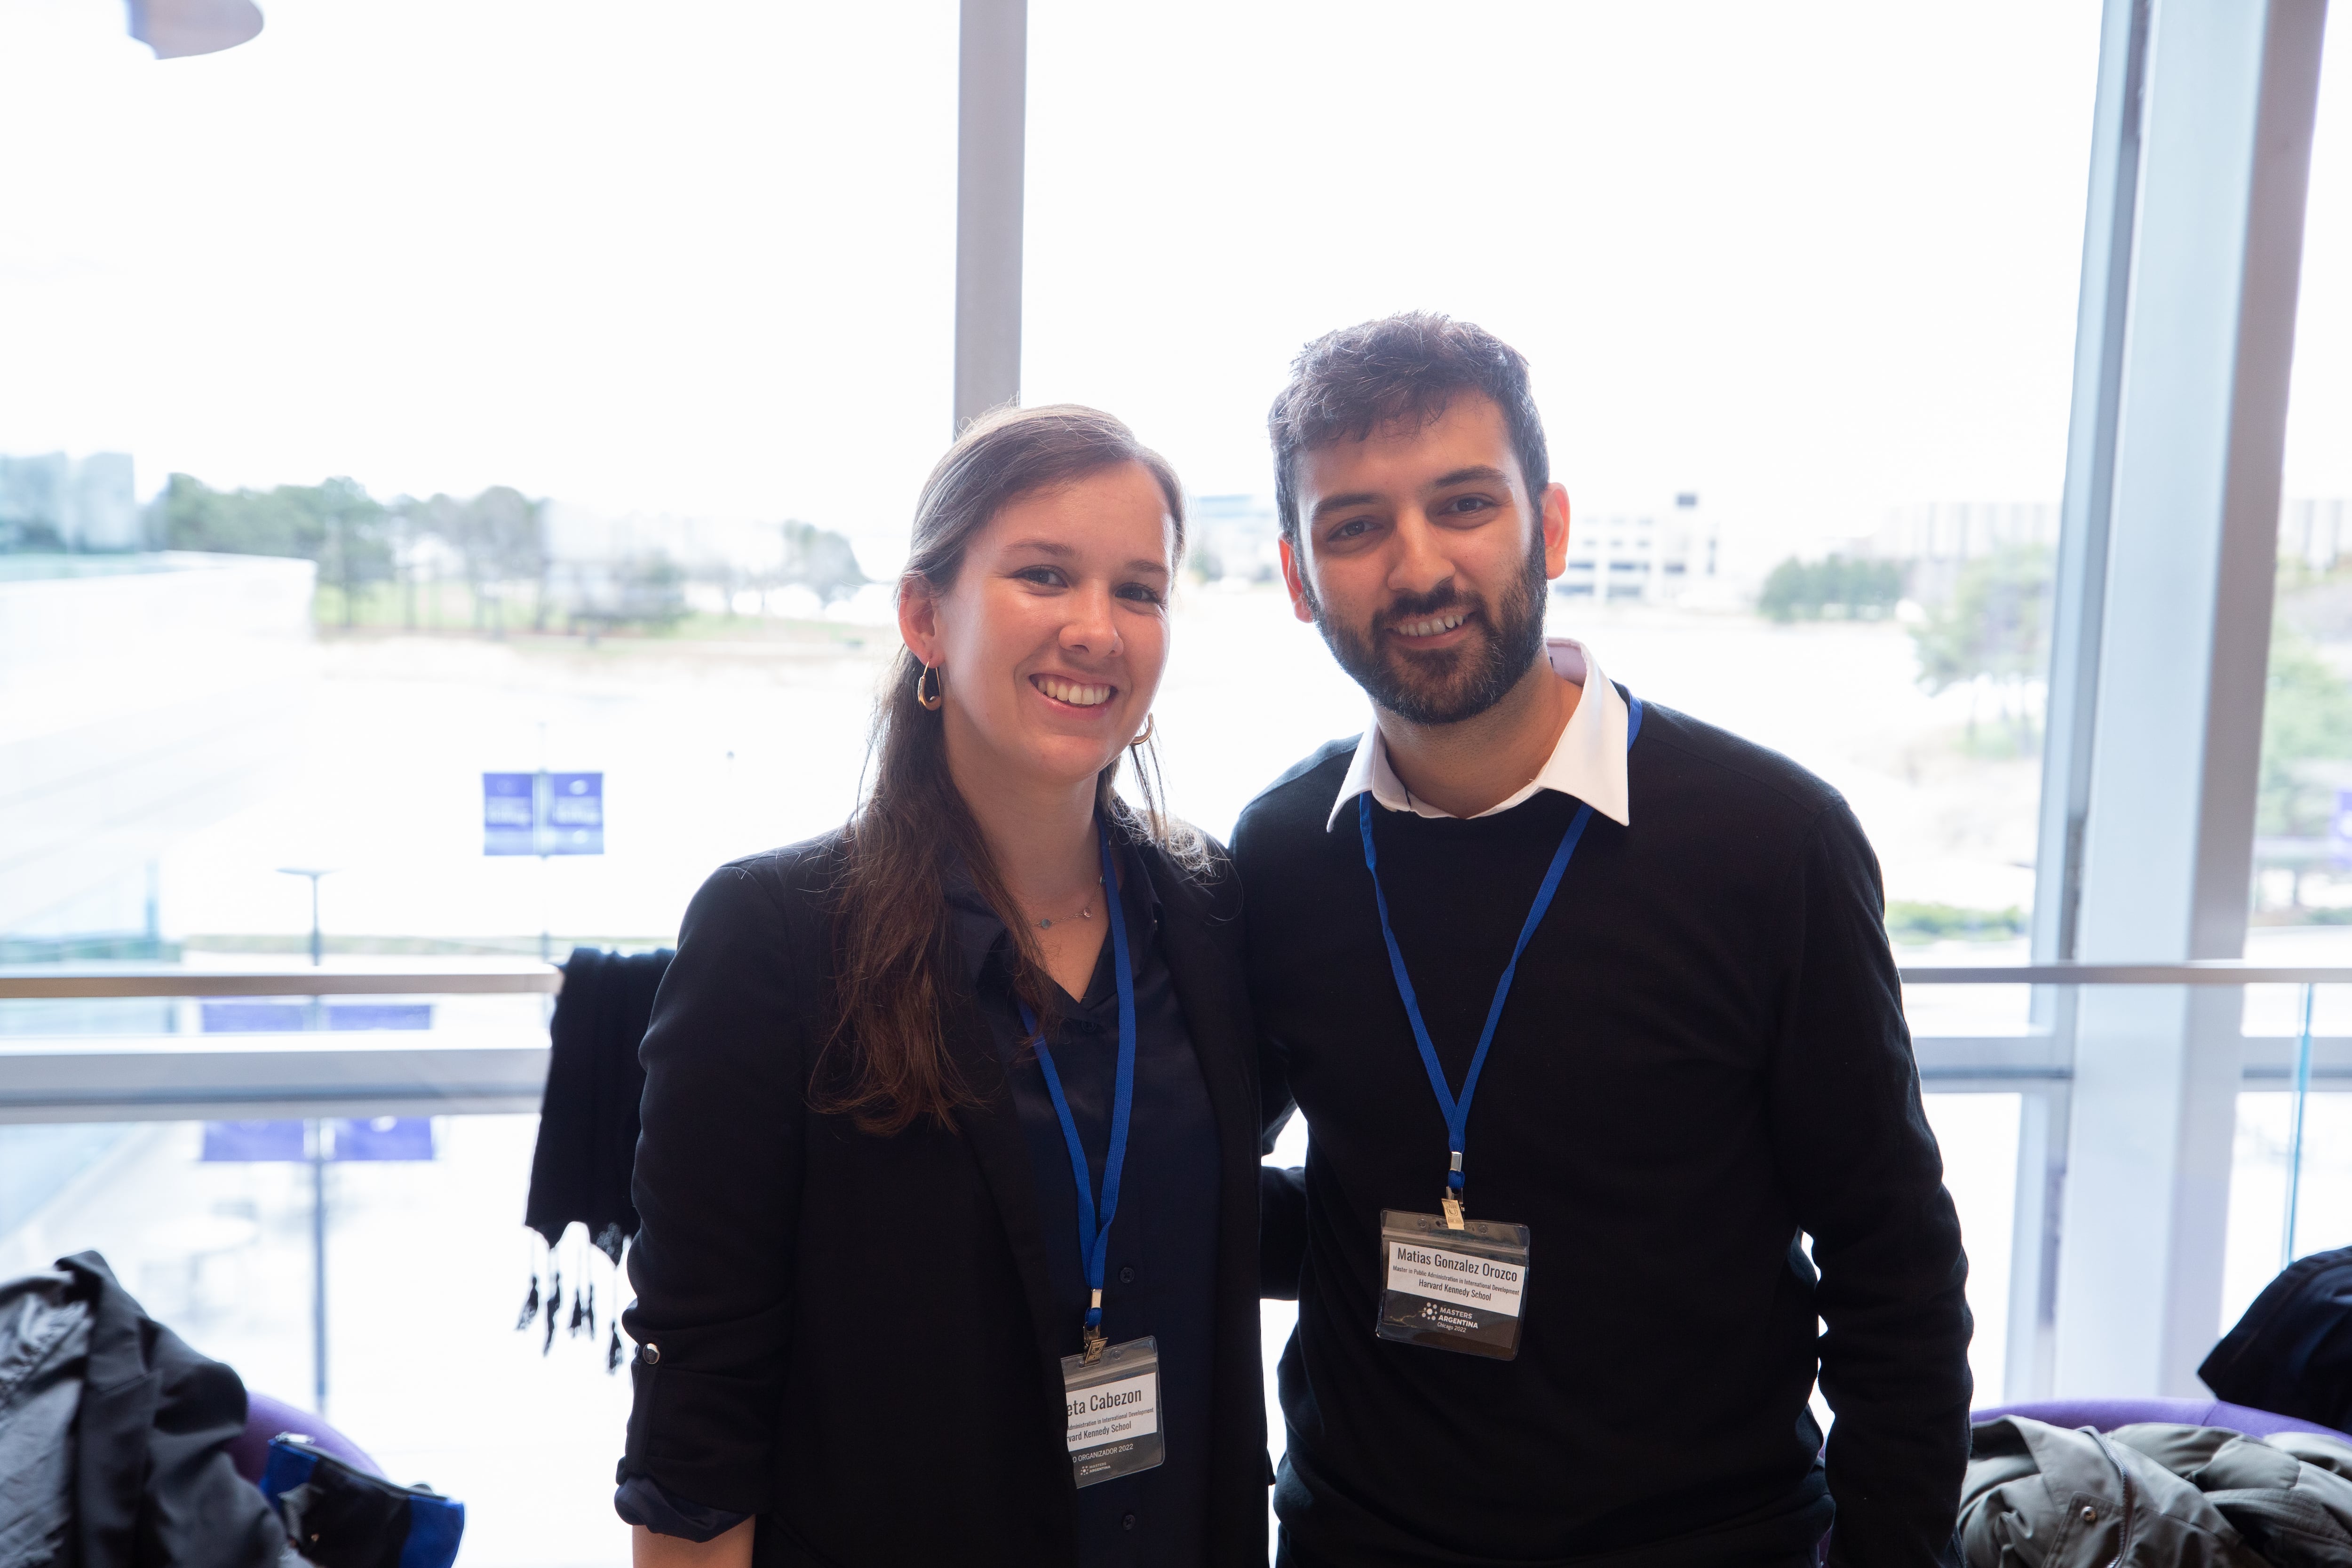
point(1347, 384)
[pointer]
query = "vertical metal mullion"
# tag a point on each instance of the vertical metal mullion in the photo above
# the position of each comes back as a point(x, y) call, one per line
point(992, 115)
point(2078, 601)
point(2166, 832)
point(2078, 606)
point(318, 1141)
point(2031, 1353)
point(2269, 284)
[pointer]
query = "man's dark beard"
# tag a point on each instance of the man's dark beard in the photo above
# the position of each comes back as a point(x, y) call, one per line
point(1452, 684)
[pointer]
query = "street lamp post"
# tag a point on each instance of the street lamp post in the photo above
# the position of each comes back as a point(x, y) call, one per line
point(316, 1019)
point(318, 944)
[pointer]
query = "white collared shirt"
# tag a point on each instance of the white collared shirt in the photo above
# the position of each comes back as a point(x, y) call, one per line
point(1588, 763)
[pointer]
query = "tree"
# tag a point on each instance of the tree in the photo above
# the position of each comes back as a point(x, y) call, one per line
point(505, 535)
point(819, 559)
point(1835, 589)
point(500, 536)
point(651, 590)
point(236, 522)
point(647, 590)
point(1994, 628)
point(502, 539)
point(355, 547)
point(2307, 719)
point(335, 524)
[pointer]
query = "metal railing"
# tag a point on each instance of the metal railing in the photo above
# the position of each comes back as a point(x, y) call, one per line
point(2196, 972)
point(2001, 1062)
point(488, 977)
point(167, 1075)
point(310, 1072)
point(488, 1068)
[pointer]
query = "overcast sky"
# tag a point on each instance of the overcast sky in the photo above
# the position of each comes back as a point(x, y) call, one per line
point(1809, 259)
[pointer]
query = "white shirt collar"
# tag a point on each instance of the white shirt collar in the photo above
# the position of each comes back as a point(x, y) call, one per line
point(1589, 762)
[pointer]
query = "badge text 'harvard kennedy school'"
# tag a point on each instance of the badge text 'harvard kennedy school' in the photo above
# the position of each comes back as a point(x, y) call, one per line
point(1452, 1286)
point(1455, 1276)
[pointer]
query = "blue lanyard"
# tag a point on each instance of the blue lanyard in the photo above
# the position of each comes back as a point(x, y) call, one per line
point(1458, 1111)
point(1094, 1236)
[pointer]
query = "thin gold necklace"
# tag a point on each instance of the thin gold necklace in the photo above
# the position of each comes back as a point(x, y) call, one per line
point(1085, 914)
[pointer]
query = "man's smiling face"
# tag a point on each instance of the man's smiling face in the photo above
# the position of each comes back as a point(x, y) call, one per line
point(1421, 558)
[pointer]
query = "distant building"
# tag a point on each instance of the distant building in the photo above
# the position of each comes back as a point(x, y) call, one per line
point(52, 502)
point(1655, 556)
point(1935, 537)
point(1962, 531)
point(1652, 556)
point(1235, 538)
point(2317, 534)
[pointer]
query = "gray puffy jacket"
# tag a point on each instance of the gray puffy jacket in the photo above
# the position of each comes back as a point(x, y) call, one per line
point(2154, 1495)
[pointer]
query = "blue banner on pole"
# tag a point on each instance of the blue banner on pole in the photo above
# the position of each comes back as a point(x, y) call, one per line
point(2339, 829)
point(253, 1142)
point(280, 1142)
point(384, 1138)
point(348, 1139)
point(575, 814)
point(272, 1017)
point(542, 814)
point(508, 814)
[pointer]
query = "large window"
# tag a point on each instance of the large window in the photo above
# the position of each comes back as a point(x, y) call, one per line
point(2302, 899)
point(1799, 288)
point(572, 348)
point(1796, 282)
point(426, 390)
point(410, 394)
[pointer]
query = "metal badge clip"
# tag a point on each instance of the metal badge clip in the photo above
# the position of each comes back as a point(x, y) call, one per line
point(1089, 1334)
point(1451, 1206)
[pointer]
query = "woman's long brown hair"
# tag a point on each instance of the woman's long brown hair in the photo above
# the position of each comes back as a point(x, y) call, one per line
point(886, 1057)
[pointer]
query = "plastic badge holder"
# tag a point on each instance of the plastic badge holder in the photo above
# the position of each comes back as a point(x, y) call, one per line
point(1114, 1411)
point(340, 1517)
point(1453, 1289)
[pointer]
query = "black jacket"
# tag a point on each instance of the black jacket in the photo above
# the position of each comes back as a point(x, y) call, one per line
point(114, 1436)
point(2292, 1352)
point(850, 1335)
point(588, 1116)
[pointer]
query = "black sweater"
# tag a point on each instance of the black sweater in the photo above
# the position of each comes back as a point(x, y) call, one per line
point(1704, 1055)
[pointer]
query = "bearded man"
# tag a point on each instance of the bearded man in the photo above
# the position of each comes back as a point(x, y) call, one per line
point(1590, 1009)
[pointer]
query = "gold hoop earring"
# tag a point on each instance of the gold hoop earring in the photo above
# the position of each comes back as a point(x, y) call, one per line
point(1150, 722)
point(938, 691)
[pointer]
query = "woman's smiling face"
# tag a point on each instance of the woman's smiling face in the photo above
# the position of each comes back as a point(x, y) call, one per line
point(1050, 643)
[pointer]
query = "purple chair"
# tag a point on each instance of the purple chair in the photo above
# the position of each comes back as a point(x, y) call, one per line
point(2106, 1415)
point(265, 1418)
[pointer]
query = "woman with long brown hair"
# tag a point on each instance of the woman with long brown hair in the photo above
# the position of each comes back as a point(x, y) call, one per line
point(949, 1171)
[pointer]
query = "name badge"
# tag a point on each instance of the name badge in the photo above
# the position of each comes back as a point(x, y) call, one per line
point(1453, 1289)
point(1113, 1405)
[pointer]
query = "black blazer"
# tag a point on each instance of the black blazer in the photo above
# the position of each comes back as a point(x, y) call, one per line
point(853, 1336)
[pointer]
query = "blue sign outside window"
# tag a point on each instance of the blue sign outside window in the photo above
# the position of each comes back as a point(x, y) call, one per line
point(279, 1142)
point(347, 1139)
point(542, 814)
point(507, 814)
